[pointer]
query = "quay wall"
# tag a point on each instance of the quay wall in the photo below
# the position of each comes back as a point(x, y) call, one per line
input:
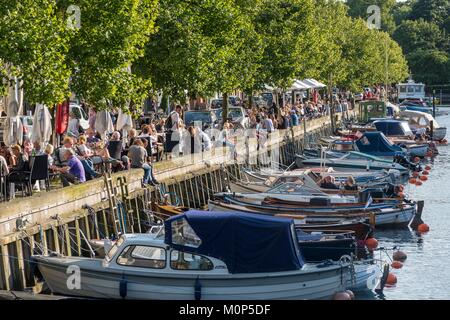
point(62, 220)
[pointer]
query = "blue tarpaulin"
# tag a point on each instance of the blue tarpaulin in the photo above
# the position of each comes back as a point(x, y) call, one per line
point(247, 243)
point(376, 144)
point(392, 127)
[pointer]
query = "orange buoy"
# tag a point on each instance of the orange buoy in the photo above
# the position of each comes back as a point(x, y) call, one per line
point(401, 195)
point(401, 188)
point(416, 159)
point(351, 294)
point(371, 243)
point(415, 174)
point(429, 154)
point(396, 265)
point(425, 172)
point(399, 256)
point(418, 183)
point(342, 296)
point(428, 168)
point(391, 279)
point(423, 227)
point(413, 180)
point(424, 178)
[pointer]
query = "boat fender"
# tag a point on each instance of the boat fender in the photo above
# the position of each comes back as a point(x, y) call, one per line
point(123, 287)
point(198, 289)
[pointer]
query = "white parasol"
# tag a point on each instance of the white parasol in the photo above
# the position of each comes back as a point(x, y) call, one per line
point(42, 124)
point(103, 123)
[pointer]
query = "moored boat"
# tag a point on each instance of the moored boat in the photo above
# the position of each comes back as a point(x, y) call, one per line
point(251, 257)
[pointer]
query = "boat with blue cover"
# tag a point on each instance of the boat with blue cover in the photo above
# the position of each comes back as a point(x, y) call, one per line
point(201, 255)
point(401, 134)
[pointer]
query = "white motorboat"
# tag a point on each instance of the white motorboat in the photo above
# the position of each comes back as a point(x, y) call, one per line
point(200, 255)
point(422, 120)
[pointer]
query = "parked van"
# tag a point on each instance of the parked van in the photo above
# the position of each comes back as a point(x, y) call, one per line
point(80, 114)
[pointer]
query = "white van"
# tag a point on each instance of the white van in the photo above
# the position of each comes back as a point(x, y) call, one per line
point(80, 114)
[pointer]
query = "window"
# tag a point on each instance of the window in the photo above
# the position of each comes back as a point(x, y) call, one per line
point(143, 257)
point(418, 88)
point(403, 89)
point(188, 261)
point(411, 89)
point(114, 249)
point(183, 234)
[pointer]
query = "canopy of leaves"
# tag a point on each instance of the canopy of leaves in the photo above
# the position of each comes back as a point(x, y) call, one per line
point(112, 36)
point(34, 41)
point(358, 9)
point(419, 34)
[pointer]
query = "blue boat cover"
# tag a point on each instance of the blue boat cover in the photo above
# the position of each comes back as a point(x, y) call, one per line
point(247, 243)
point(376, 143)
point(392, 127)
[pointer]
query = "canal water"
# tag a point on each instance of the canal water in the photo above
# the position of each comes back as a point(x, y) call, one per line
point(425, 272)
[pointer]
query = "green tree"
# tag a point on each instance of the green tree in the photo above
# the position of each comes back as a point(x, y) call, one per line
point(402, 11)
point(358, 9)
point(430, 66)
point(112, 36)
point(34, 41)
point(435, 11)
point(286, 29)
point(419, 34)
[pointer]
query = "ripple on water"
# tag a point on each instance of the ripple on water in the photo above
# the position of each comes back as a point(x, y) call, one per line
point(424, 274)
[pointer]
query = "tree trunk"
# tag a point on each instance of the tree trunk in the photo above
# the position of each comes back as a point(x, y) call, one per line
point(250, 98)
point(224, 108)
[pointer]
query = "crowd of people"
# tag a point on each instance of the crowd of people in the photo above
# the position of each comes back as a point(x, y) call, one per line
point(84, 154)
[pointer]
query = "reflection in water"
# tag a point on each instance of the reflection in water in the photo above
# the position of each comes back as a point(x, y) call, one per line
point(424, 274)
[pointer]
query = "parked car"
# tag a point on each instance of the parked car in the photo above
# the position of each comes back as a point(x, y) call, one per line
point(216, 103)
point(234, 101)
point(237, 115)
point(80, 114)
point(268, 97)
point(207, 119)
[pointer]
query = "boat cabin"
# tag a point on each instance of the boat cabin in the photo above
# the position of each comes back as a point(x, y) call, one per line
point(393, 128)
point(371, 109)
point(421, 120)
point(417, 119)
point(410, 90)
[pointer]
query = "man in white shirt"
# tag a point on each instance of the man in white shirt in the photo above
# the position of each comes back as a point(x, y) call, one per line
point(207, 144)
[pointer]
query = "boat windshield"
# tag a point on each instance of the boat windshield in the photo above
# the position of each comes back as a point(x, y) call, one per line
point(406, 129)
point(183, 234)
point(114, 249)
point(274, 181)
point(299, 189)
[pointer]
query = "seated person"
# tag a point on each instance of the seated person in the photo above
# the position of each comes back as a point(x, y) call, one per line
point(327, 183)
point(350, 184)
point(138, 156)
point(73, 172)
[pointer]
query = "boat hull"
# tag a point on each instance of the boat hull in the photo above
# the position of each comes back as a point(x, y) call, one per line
point(384, 218)
point(97, 281)
point(366, 277)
